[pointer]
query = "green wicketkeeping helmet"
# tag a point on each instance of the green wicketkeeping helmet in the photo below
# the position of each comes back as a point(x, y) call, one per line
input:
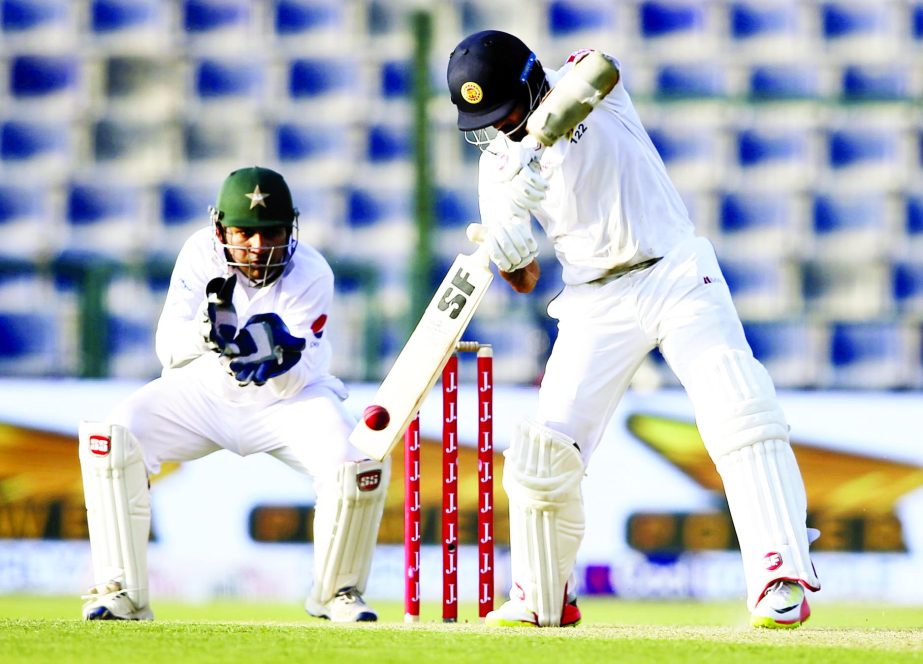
point(253, 197)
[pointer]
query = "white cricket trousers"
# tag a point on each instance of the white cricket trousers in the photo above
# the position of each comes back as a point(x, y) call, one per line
point(605, 329)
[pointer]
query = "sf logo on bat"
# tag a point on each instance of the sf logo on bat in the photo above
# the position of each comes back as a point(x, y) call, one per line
point(456, 295)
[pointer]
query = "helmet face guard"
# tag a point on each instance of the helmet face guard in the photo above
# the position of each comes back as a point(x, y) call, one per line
point(255, 200)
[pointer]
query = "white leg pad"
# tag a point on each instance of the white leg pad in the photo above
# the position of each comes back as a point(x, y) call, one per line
point(542, 475)
point(118, 502)
point(766, 496)
point(746, 434)
point(346, 521)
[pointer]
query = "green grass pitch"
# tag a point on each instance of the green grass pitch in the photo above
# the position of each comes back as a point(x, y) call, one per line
point(44, 629)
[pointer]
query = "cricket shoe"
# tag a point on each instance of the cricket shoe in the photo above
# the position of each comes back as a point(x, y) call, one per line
point(784, 606)
point(108, 601)
point(514, 613)
point(345, 607)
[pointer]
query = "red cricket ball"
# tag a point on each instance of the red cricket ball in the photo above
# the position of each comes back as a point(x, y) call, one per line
point(376, 417)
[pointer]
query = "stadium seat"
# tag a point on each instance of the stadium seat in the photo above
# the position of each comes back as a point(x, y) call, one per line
point(379, 224)
point(916, 23)
point(866, 157)
point(326, 87)
point(47, 84)
point(668, 27)
point(791, 350)
point(130, 25)
point(396, 79)
point(907, 288)
point(836, 288)
point(888, 82)
point(133, 308)
point(388, 143)
point(773, 82)
point(222, 24)
point(850, 225)
point(690, 80)
point(183, 209)
point(778, 157)
point(105, 219)
point(763, 289)
point(144, 149)
point(870, 28)
point(912, 225)
point(323, 153)
point(27, 230)
point(768, 30)
point(236, 84)
point(871, 355)
point(31, 323)
point(454, 209)
point(141, 87)
point(30, 147)
point(758, 224)
point(582, 23)
point(692, 156)
point(312, 25)
point(216, 147)
point(29, 22)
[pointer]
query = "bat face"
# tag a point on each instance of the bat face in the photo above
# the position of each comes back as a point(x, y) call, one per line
point(421, 361)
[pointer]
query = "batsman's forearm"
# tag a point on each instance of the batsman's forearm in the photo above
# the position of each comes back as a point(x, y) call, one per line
point(524, 279)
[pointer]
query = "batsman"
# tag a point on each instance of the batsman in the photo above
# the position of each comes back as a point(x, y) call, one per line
point(246, 368)
point(636, 277)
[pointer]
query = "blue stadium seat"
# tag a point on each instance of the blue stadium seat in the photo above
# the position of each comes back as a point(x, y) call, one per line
point(321, 152)
point(693, 158)
point(752, 20)
point(870, 28)
point(37, 146)
point(134, 306)
point(763, 289)
point(781, 157)
point(297, 17)
point(916, 22)
point(49, 80)
point(907, 287)
point(24, 223)
point(913, 215)
point(849, 224)
point(183, 209)
point(109, 17)
point(388, 143)
point(379, 228)
point(751, 223)
point(33, 17)
point(229, 80)
point(875, 83)
point(871, 355)
point(783, 83)
point(571, 18)
point(315, 77)
point(869, 156)
point(209, 17)
point(104, 219)
point(396, 79)
point(691, 80)
point(667, 19)
point(789, 349)
point(29, 344)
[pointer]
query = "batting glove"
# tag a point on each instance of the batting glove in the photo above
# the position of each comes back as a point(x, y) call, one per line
point(219, 323)
point(263, 349)
point(509, 240)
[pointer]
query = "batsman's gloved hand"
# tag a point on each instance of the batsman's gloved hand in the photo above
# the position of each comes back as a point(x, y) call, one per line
point(263, 349)
point(219, 321)
point(508, 238)
point(527, 187)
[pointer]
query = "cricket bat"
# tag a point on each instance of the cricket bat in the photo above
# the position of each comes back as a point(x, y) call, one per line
point(426, 352)
point(446, 317)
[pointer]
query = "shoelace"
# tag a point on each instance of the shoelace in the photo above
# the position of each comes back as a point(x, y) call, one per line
point(349, 596)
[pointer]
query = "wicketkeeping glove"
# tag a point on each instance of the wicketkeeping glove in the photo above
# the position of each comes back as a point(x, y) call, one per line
point(220, 321)
point(263, 349)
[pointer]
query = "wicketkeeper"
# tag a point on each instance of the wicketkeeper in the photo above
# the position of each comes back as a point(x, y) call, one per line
point(636, 277)
point(246, 369)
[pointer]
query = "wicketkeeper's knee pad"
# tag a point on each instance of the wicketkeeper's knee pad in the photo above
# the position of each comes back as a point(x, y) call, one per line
point(118, 502)
point(746, 434)
point(346, 521)
point(541, 476)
